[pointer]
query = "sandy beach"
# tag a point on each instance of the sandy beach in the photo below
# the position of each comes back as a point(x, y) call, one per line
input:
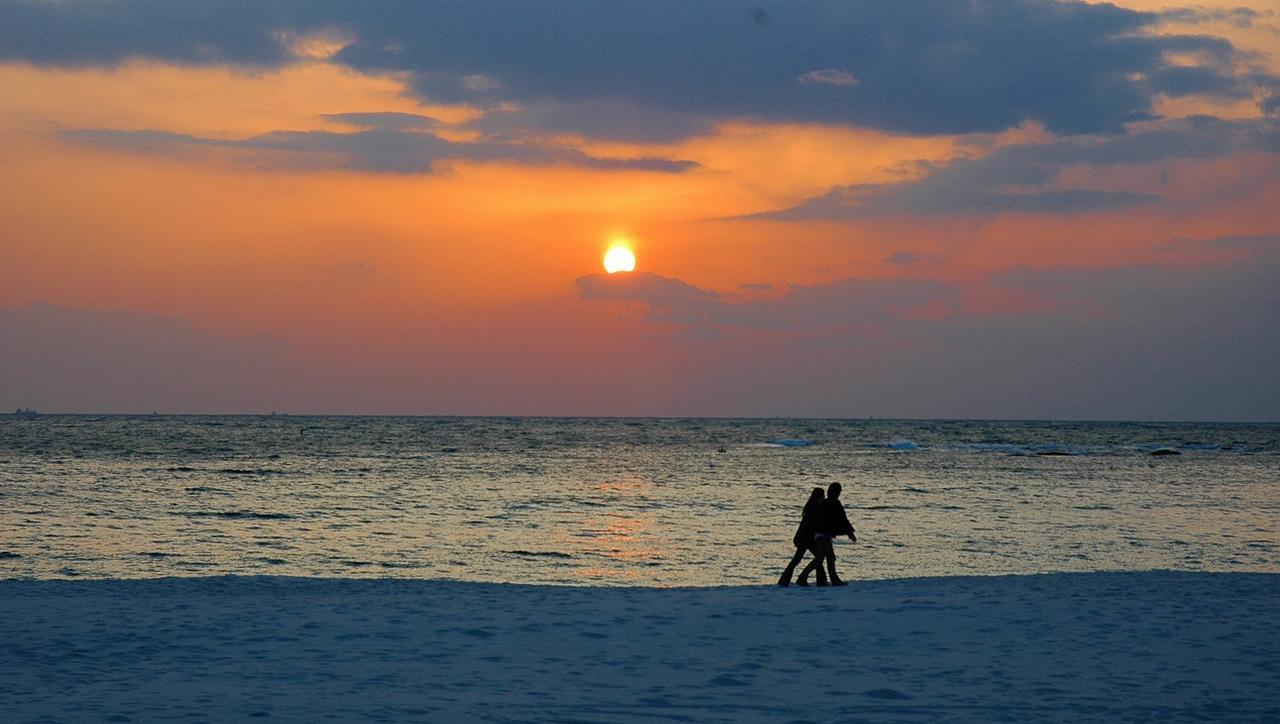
point(1077, 647)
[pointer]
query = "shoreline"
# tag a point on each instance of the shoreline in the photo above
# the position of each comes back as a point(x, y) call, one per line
point(1078, 646)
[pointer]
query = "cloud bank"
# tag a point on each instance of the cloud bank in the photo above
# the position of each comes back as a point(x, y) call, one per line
point(911, 66)
point(1139, 342)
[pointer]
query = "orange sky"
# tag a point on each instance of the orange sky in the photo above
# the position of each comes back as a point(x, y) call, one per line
point(440, 283)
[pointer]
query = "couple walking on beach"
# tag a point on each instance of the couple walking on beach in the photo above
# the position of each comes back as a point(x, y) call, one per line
point(823, 519)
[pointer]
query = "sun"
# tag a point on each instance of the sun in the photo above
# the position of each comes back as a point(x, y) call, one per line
point(619, 259)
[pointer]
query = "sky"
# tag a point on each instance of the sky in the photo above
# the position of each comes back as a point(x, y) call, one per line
point(883, 208)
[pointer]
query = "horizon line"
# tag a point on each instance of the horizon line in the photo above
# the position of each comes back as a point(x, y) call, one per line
point(869, 418)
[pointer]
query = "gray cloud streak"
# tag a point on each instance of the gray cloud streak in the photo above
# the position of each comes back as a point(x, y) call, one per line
point(390, 144)
point(1018, 179)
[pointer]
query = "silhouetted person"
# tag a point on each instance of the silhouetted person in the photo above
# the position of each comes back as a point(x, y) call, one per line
point(803, 539)
point(832, 522)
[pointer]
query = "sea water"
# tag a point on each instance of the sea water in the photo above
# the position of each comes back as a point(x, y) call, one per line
point(647, 502)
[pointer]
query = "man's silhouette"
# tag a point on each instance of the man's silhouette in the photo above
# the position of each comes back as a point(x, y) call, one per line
point(832, 522)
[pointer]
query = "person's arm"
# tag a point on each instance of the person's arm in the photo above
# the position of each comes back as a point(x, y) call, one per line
point(848, 527)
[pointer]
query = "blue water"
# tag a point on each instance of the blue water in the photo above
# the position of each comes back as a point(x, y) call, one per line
point(625, 501)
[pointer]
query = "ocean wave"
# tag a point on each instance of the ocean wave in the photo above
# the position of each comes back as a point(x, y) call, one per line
point(1000, 447)
point(541, 554)
point(900, 443)
point(1062, 449)
point(234, 514)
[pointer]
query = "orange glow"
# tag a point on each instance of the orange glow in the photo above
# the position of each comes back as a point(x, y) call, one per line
point(468, 267)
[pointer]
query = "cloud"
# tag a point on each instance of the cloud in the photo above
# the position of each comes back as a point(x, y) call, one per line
point(1131, 343)
point(845, 303)
point(907, 258)
point(1161, 297)
point(1139, 342)
point(829, 76)
point(362, 273)
point(605, 119)
point(1192, 80)
point(388, 143)
point(385, 121)
point(647, 287)
point(921, 67)
point(1022, 178)
point(1259, 242)
point(1240, 17)
point(82, 360)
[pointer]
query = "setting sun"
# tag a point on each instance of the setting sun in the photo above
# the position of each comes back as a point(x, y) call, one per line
point(619, 259)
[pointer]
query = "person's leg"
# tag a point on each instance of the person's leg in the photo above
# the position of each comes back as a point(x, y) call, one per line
point(831, 568)
point(820, 549)
point(814, 565)
point(785, 580)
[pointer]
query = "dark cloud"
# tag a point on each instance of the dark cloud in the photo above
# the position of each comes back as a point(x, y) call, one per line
point(907, 258)
point(1122, 343)
point(82, 360)
point(1260, 242)
point(108, 32)
point(1239, 17)
point(385, 121)
point(389, 145)
point(605, 119)
point(1164, 297)
point(1019, 179)
point(647, 287)
point(1137, 343)
point(1198, 80)
point(839, 304)
point(914, 66)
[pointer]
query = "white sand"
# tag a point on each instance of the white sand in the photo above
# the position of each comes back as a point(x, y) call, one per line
point(1094, 647)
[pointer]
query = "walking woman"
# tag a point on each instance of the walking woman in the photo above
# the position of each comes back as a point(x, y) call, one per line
point(804, 541)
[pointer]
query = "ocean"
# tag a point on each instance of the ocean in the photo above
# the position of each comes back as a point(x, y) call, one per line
point(625, 502)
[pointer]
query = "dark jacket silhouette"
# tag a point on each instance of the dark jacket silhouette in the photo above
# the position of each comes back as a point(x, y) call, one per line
point(809, 522)
point(832, 520)
point(804, 541)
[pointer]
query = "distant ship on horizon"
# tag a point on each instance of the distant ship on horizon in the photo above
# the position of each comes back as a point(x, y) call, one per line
point(24, 413)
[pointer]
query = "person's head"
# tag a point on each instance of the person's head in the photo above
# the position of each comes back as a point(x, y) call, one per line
point(816, 495)
point(833, 490)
